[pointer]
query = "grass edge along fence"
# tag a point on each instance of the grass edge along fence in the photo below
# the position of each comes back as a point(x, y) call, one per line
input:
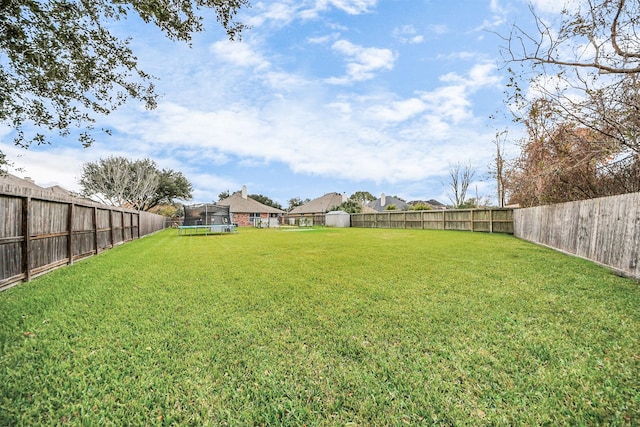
point(40, 231)
point(605, 230)
point(498, 220)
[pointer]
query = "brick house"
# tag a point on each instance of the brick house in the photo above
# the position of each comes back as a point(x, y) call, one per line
point(247, 212)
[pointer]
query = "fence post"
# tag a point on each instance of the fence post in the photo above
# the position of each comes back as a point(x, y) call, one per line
point(490, 220)
point(113, 231)
point(473, 224)
point(26, 243)
point(95, 228)
point(70, 238)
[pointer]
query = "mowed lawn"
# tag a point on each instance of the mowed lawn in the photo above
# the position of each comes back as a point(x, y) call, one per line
point(322, 327)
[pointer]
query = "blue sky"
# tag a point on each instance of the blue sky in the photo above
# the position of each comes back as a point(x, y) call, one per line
point(319, 96)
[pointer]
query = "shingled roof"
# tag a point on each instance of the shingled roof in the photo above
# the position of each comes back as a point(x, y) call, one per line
point(320, 205)
point(380, 205)
point(241, 203)
point(11, 184)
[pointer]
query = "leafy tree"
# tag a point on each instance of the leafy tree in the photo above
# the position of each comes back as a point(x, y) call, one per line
point(471, 203)
point(349, 206)
point(362, 197)
point(137, 184)
point(60, 65)
point(355, 202)
point(265, 200)
point(224, 195)
point(295, 202)
point(420, 207)
point(171, 185)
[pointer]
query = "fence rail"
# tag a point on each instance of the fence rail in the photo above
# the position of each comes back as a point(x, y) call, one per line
point(40, 232)
point(483, 220)
point(605, 230)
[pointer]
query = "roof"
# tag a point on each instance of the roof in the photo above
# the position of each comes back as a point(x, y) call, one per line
point(368, 209)
point(239, 204)
point(7, 178)
point(388, 200)
point(431, 202)
point(319, 205)
point(26, 186)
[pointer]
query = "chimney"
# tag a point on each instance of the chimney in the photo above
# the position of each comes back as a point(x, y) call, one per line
point(244, 192)
point(344, 197)
point(29, 179)
point(383, 200)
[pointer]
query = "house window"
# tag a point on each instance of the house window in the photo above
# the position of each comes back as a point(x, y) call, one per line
point(254, 217)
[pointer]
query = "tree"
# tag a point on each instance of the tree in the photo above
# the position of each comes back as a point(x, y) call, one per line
point(460, 178)
point(295, 202)
point(420, 206)
point(562, 162)
point(224, 195)
point(60, 65)
point(595, 34)
point(171, 185)
point(498, 168)
point(138, 184)
point(585, 68)
point(265, 200)
point(350, 206)
point(362, 197)
point(355, 202)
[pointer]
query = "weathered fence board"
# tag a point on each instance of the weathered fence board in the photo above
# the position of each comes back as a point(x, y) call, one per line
point(605, 230)
point(38, 234)
point(483, 220)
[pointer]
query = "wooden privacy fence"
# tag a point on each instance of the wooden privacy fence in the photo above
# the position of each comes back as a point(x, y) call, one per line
point(40, 233)
point(605, 230)
point(485, 220)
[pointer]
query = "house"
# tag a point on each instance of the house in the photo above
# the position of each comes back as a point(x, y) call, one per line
point(434, 204)
point(247, 212)
point(11, 184)
point(314, 210)
point(382, 204)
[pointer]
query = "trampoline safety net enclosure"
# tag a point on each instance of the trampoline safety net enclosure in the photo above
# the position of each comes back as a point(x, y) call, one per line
point(207, 218)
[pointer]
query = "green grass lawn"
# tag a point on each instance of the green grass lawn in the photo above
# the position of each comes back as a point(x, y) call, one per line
point(322, 327)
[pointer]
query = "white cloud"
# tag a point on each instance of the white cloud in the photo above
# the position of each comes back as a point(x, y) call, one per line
point(278, 13)
point(398, 111)
point(239, 53)
point(362, 62)
point(496, 7)
point(407, 34)
point(351, 7)
point(438, 29)
point(322, 39)
point(463, 55)
point(376, 137)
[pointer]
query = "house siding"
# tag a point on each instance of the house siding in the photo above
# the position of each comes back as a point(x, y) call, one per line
point(242, 219)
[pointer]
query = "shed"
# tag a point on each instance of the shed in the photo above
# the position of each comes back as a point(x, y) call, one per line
point(339, 219)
